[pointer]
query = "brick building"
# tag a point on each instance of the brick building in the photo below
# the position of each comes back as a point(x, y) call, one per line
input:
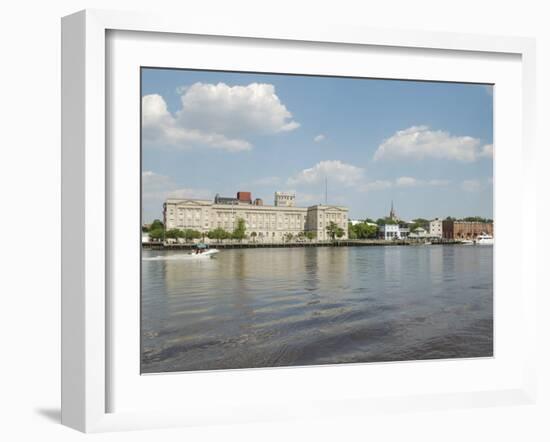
point(465, 229)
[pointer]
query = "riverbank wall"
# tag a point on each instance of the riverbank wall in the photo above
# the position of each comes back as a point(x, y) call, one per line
point(258, 245)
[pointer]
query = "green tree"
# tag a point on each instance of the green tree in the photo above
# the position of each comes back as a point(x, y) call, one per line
point(253, 235)
point(420, 222)
point(333, 230)
point(156, 224)
point(311, 235)
point(382, 221)
point(190, 234)
point(156, 234)
point(369, 231)
point(240, 231)
point(363, 231)
point(174, 234)
point(218, 234)
point(477, 219)
point(288, 236)
point(351, 231)
point(372, 231)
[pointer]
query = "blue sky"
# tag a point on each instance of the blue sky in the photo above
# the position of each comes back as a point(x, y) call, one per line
point(428, 146)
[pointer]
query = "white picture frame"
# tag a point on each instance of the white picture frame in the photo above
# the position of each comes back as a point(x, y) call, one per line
point(86, 313)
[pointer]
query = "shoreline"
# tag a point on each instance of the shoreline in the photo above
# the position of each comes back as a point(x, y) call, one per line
point(343, 243)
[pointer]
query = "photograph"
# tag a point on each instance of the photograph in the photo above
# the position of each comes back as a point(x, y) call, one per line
point(292, 220)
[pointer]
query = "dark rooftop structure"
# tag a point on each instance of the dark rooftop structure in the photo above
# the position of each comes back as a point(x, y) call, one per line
point(225, 200)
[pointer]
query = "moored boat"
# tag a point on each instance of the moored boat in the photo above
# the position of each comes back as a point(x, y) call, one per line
point(484, 240)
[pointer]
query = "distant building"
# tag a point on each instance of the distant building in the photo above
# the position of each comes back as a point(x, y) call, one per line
point(270, 223)
point(225, 200)
point(354, 222)
point(389, 232)
point(320, 216)
point(244, 197)
point(419, 233)
point(465, 229)
point(285, 199)
point(436, 228)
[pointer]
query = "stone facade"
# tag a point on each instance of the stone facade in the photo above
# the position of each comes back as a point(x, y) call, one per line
point(270, 223)
point(320, 216)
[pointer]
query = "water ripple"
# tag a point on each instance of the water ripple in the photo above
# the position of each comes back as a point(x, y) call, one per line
point(280, 307)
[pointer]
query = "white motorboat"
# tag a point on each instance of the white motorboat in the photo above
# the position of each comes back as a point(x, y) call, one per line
point(467, 242)
point(485, 240)
point(202, 253)
point(202, 250)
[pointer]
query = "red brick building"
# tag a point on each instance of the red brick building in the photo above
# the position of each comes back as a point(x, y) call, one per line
point(244, 197)
point(465, 229)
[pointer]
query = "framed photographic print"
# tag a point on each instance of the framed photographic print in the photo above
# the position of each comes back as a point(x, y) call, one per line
point(304, 257)
point(291, 223)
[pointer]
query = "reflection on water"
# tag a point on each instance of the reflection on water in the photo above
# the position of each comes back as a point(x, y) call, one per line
point(307, 306)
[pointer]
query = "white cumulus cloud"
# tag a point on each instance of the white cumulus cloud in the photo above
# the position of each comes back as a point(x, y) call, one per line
point(319, 138)
point(161, 128)
point(235, 110)
point(215, 116)
point(156, 188)
point(334, 170)
point(406, 181)
point(401, 182)
point(418, 142)
point(376, 185)
point(486, 151)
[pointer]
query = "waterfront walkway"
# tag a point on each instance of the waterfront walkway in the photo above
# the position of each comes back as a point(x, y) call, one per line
point(253, 245)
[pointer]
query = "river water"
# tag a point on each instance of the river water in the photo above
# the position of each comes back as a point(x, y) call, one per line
point(319, 305)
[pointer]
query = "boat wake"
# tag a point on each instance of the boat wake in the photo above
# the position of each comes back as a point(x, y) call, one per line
point(174, 258)
point(182, 257)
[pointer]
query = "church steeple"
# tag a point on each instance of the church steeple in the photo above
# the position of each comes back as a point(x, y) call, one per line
point(393, 215)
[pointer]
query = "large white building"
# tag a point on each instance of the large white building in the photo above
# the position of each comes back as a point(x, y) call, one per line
point(389, 232)
point(270, 223)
